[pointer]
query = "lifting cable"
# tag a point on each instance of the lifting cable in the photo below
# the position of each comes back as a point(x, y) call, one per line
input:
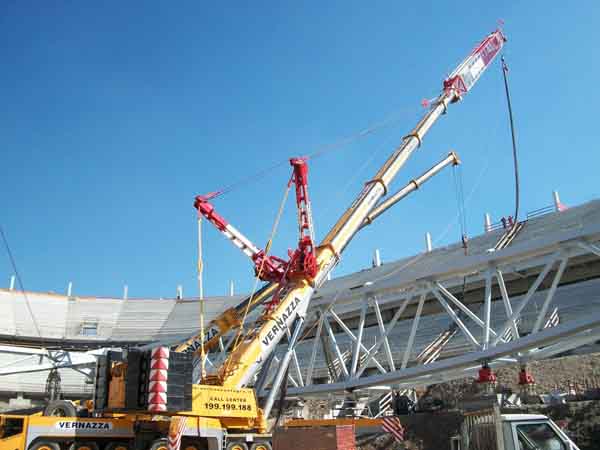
point(20, 281)
point(441, 235)
point(514, 140)
point(317, 153)
point(201, 299)
point(415, 259)
point(260, 270)
point(460, 203)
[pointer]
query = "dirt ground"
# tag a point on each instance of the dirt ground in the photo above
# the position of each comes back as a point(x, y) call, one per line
point(580, 419)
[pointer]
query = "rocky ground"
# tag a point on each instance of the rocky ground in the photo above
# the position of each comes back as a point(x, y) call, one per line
point(580, 419)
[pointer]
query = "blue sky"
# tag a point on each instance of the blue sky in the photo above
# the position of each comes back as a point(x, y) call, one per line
point(114, 115)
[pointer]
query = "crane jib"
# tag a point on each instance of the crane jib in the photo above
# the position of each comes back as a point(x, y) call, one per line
point(467, 73)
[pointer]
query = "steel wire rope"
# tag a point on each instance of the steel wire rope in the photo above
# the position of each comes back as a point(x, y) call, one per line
point(388, 121)
point(513, 138)
point(362, 168)
point(460, 200)
point(455, 219)
point(320, 150)
point(451, 224)
point(20, 281)
point(440, 236)
point(260, 270)
point(338, 195)
point(325, 311)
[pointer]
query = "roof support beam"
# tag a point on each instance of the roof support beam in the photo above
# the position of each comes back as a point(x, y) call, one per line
point(375, 349)
point(384, 338)
point(550, 295)
point(507, 305)
point(456, 320)
point(413, 332)
point(516, 314)
point(351, 335)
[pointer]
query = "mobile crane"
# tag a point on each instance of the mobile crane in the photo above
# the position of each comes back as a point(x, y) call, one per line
point(137, 393)
point(232, 317)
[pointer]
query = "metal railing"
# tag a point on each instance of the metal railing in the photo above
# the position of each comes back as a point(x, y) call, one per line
point(540, 212)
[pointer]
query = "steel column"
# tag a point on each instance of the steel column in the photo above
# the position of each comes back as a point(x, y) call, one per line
point(487, 306)
point(264, 374)
point(507, 305)
point(550, 295)
point(413, 331)
point(336, 348)
point(349, 332)
point(386, 343)
point(456, 320)
point(315, 349)
point(589, 247)
point(460, 305)
point(295, 361)
point(540, 278)
point(359, 335)
point(283, 366)
point(375, 349)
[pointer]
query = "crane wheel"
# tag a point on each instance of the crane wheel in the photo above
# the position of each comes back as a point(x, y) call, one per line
point(261, 446)
point(84, 445)
point(188, 444)
point(60, 408)
point(45, 445)
point(159, 444)
point(237, 445)
point(117, 446)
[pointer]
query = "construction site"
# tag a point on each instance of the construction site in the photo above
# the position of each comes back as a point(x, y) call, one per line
point(487, 343)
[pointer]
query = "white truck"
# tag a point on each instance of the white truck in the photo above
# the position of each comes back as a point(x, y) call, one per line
point(492, 430)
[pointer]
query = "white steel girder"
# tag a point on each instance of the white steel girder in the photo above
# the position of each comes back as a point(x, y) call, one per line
point(576, 333)
point(351, 335)
point(511, 347)
point(43, 360)
point(375, 349)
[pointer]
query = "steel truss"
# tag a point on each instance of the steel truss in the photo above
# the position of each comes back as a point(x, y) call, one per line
point(40, 360)
point(509, 277)
point(363, 367)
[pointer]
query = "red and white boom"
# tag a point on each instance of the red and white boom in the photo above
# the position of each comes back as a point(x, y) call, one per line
point(302, 260)
point(468, 72)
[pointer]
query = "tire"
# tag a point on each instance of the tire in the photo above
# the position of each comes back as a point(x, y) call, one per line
point(261, 446)
point(45, 445)
point(237, 445)
point(117, 446)
point(193, 444)
point(60, 408)
point(159, 444)
point(84, 445)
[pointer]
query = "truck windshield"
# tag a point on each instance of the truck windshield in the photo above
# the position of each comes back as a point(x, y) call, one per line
point(10, 426)
point(538, 436)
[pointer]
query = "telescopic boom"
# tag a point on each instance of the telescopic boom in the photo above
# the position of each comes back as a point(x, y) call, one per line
point(247, 358)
